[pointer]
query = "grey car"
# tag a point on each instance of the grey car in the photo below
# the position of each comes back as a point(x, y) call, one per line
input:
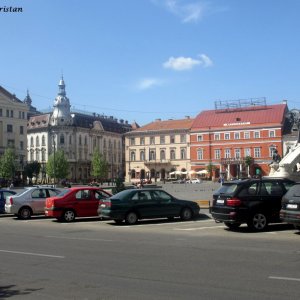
point(29, 202)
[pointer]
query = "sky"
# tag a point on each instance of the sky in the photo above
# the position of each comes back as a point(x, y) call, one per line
point(140, 60)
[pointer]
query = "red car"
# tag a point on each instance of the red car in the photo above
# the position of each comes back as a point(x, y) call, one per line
point(75, 202)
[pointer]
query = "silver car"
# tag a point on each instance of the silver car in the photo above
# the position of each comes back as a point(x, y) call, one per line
point(29, 202)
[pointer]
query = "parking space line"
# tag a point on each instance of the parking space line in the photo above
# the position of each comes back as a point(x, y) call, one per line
point(284, 278)
point(198, 228)
point(77, 238)
point(33, 254)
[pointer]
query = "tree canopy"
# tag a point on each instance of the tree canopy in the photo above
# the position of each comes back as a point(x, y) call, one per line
point(7, 164)
point(57, 166)
point(99, 166)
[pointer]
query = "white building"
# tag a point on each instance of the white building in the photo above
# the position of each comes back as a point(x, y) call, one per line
point(78, 135)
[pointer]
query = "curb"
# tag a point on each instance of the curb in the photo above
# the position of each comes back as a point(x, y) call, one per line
point(202, 203)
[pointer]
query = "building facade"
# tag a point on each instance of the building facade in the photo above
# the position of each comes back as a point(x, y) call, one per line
point(78, 135)
point(13, 127)
point(158, 149)
point(238, 140)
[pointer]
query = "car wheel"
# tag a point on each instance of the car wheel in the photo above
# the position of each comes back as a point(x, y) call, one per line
point(186, 214)
point(258, 222)
point(117, 221)
point(25, 213)
point(232, 226)
point(131, 218)
point(68, 216)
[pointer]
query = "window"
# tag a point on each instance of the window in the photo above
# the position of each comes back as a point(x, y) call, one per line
point(182, 153)
point(227, 153)
point(31, 156)
point(43, 141)
point(172, 154)
point(37, 141)
point(257, 153)
point(152, 140)
point(21, 129)
point(31, 142)
point(162, 139)
point(227, 136)
point(162, 154)
point(172, 139)
point(271, 133)
point(0, 112)
point(62, 139)
point(256, 134)
point(272, 150)
point(43, 155)
point(70, 140)
point(11, 113)
point(11, 143)
point(182, 138)
point(21, 145)
point(217, 136)
point(132, 141)
point(200, 154)
point(81, 142)
point(237, 153)
point(83, 195)
point(247, 152)
point(23, 115)
point(217, 153)
point(85, 140)
point(236, 135)
point(142, 155)
point(246, 135)
point(152, 155)
point(199, 138)
point(7, 113)
point(132, 156)
point(142, 141)
point(20, 115)
point(37, 155)
point(9, 128)
point(100, 195)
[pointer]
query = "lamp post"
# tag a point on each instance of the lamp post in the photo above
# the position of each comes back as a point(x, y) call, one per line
point(54, 175)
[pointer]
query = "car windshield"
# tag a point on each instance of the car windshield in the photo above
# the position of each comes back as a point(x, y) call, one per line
point(63, 192)
point(121, 195)
point(226, 188)
point(294, 191)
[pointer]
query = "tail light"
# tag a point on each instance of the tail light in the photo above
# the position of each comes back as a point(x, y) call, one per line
point(234, 202)
point(106, 204)
point(11, 200)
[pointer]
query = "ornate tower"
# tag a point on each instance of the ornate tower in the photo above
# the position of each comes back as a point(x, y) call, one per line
point(61, 108)
point(28, 100)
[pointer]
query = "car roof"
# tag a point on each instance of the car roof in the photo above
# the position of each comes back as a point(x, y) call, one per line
point(76, 188)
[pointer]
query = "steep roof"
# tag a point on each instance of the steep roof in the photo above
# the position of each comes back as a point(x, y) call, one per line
point(39, 121)
point(247, 117)
point(12, 97)
point(159, 125)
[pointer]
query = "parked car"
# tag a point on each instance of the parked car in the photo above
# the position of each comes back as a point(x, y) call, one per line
point(3, 194)
point(290, 209)
point(195, 180)
point(75, 202)
point(256, 202)
point(133, 205)
point(30, 202)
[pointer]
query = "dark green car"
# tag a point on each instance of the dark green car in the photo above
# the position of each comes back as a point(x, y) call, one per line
point(135, 204)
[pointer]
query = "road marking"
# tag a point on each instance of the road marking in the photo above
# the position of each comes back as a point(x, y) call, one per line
point(34, 254)
point(198, 228)
point(77, 238)
point(284, 278)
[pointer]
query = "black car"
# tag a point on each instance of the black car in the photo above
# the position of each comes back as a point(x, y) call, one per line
point(290, 210)
point(256, 202)
point(132, 205)
point(3, 194)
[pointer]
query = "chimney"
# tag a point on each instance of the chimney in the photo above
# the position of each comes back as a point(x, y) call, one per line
point(284, 102)
point(157, 120)
point(187, 117)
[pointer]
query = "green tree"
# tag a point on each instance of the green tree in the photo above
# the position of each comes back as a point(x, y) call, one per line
point(210, 168)
point(7, 164)
point(57, 166)
point(32, 169)
point(248, 162)
point(99, 167)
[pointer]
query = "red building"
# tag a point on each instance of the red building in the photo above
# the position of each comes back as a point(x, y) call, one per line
point(237, 139)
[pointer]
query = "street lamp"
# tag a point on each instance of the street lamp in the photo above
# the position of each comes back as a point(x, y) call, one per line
point(54, 175)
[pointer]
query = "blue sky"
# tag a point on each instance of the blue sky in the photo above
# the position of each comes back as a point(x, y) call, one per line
point(140, 60)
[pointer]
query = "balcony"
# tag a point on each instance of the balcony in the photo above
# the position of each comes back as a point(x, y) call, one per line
point(233, 161)
point(157, 162)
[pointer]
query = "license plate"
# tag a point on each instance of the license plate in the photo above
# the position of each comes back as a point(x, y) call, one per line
point(220, 201)
point(292, 206)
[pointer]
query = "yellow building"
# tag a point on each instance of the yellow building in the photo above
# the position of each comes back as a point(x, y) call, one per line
point(13, 126)
point(158, 150)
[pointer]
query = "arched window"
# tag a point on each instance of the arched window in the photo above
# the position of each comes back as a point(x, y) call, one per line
point(62, 139)
point(43, 141)
point(80, 140)
point(85, 140)
point(152, 155)
point(31, 141)
point(132, 156)
point(162, 154)
point(37, 141)
point(142, 155)
point(172, 154)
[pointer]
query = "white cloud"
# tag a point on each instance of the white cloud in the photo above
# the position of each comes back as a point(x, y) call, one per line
point(147, 83)
point(191, 12)
point(187, 63)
